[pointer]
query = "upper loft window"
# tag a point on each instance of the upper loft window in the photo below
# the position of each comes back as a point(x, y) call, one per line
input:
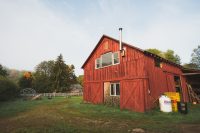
point(116, 58)
point(158, 63)
point(98, 63)
point(107, 59)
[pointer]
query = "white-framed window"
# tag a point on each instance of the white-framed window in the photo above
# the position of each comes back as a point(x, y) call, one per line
point(107, 59)
point(114, 89)
point(98, 63)
point(115, 58)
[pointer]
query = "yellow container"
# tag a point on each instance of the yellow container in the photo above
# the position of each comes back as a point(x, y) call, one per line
point(174, 106)
point(175, 97)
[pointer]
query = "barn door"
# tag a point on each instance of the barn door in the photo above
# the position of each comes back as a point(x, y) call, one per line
point(96, 92)
point(106, 90)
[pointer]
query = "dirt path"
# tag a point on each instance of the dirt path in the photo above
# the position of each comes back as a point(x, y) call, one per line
point(190, 128)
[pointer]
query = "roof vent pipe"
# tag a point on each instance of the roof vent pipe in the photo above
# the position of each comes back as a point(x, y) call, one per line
point(120, 39)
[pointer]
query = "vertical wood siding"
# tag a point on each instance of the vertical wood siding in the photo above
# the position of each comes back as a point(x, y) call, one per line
point(136, 73)
point(130, 73)
point(162, 79)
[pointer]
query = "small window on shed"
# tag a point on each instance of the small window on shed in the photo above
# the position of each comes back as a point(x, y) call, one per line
point(97, 63)
point(158, 63)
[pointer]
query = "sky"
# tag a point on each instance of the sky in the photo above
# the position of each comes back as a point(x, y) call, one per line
point(32, 31)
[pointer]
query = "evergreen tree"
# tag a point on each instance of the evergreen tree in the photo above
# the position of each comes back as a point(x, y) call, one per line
point(71, 77)
point(53, 76)
point(3, 72)
point(60, 73)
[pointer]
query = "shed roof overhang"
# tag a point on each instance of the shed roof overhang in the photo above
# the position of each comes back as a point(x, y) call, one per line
point(192, 77)
point(191, 74)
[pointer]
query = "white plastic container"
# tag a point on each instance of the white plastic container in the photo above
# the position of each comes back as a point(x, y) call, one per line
point(165, 104)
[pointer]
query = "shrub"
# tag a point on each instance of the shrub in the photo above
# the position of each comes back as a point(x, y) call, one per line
point(8, 89)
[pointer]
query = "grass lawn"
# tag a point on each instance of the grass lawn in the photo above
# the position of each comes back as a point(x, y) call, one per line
point(63, 115)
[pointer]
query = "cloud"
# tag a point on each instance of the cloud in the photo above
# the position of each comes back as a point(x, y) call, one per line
point(174, 25)
point(31, 33)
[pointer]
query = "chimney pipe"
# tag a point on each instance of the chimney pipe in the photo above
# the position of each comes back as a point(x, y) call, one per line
point(120, 39)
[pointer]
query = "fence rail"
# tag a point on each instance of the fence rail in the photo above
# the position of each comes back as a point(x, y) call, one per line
point(63, 94)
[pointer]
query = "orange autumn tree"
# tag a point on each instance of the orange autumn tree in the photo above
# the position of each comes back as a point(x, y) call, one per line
point(27, 75)
point(26, 80)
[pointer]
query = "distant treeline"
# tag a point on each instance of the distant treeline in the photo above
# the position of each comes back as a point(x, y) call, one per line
point(48, 76)
point(170, 55)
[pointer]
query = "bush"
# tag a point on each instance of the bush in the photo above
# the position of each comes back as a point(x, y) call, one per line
point(8, 89)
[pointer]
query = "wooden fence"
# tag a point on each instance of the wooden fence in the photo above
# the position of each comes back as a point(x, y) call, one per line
point(63, 94)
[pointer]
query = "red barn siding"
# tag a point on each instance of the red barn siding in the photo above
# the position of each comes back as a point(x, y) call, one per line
point(136, 73)
point(162, 79)
point(133, 95)
point(131, 67)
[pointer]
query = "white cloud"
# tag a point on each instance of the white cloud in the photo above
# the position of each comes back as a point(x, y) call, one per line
point(171, 27)
point(31, 33)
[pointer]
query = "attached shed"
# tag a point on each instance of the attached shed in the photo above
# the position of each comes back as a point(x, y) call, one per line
point(193, 79)
point(131, 78)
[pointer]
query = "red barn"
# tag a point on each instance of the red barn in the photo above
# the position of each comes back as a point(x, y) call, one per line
point(131, 78)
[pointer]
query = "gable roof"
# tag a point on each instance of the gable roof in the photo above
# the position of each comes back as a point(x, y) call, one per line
point(131, 46)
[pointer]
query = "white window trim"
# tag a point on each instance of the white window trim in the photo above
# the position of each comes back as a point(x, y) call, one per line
point(96, 63)
point(107, 65)
point(100, 58)
point(114, 84)
point(113, 58)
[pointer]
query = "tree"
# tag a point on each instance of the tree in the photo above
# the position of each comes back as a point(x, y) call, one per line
point(26, 80)
point(3, 72)
point(80, 79)
point(71, 77)
point(155, 51)
point(15, 75)
point(190, 66)
point(8, 89)
point(45, 68)
point(60, 71)
point(196, 57)
point(170, 55)
point(52, 76)
point(43, 76)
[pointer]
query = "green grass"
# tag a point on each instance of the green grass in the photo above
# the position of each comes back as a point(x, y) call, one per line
point(62, 115)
